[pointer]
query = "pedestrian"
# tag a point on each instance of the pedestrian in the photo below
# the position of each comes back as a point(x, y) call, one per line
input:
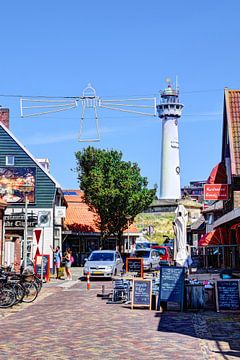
point(67, 258)
point(57, 258)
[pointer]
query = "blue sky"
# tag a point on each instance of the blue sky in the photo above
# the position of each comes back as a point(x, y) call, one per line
point(125, 49)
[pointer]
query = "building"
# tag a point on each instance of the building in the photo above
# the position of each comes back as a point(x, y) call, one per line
point(33, 199)
point(194, 190)
point(221, 242)
point(81, 233)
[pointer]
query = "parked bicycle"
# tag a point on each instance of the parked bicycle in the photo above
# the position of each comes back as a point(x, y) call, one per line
point(25, 287)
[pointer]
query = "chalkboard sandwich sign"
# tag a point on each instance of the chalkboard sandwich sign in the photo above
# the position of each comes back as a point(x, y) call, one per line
point(135, 265)
point(227, 295)
point(46, 266)
point(142, 293)
point(171, 287)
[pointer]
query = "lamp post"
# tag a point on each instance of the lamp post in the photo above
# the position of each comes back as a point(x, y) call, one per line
point(25, 189)
point(128, 217)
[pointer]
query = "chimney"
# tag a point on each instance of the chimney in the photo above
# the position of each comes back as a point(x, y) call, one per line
point(4, 117)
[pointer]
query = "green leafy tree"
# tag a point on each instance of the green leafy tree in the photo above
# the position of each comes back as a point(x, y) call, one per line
point(114, 189)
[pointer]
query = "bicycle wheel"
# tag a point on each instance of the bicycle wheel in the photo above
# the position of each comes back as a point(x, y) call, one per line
point(20, 292)
point(17, 288)
point(7, 298)
point(31, 292)
point(38, 283)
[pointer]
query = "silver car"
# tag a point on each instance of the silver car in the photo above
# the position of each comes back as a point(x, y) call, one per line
point(103, 263)
point(150, 258)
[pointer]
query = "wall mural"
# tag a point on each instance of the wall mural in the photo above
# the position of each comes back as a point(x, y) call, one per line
point(16, 182)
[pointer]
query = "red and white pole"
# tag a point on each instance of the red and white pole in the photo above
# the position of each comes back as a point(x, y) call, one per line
point(88, 280)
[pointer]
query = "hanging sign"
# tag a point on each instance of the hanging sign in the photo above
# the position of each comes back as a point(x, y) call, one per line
point(215, 192)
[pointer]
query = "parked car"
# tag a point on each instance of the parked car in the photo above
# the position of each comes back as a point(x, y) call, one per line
point(103, 263)
point(150, 258)
point(165, 254)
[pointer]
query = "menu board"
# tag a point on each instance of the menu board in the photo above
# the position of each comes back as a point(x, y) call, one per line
point(46, 266)
point(227, 295)
point(142, 293)
point(171, 288)
point(135, 265)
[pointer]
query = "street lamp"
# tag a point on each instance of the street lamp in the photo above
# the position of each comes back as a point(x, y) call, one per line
point(128, 217)
point(25, 189)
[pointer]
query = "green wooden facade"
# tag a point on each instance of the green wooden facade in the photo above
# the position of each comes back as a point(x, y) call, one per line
point(45, 187)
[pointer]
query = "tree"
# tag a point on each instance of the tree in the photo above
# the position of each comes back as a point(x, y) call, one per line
point(113, 189)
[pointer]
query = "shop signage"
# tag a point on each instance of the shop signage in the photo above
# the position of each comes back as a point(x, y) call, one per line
point(135, 265)
point(227, 295)
point(45, 262)
point(171, 288)
point(142, 293)
point(16, 183)
point(215, 192)
point(18, 220)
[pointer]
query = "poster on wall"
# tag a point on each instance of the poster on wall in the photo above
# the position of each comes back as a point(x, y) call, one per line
point(16, 182)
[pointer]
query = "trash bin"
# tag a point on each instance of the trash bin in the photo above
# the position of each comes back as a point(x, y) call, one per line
point(195, 296)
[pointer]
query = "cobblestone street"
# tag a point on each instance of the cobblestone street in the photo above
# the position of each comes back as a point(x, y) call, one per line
point(70, 322)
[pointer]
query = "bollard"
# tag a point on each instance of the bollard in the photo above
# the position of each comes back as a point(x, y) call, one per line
point(88, 280)
point(103, 289)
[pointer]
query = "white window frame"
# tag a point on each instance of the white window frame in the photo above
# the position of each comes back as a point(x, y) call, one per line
point(8, 162)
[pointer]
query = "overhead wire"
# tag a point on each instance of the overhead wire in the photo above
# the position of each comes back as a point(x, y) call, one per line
point(79, 96)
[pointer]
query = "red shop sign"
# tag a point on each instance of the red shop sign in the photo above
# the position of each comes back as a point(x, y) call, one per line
point(215, 192)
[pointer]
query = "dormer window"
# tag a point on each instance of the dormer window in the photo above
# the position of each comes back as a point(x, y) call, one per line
point(10, 160)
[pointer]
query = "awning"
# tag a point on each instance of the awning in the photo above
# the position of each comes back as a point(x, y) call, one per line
point(215, 237)
point(218, 175)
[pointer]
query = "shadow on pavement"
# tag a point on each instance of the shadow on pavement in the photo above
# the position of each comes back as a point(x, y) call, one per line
point(222, 330)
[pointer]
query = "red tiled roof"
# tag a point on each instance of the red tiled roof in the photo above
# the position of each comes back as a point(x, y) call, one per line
point(78, 215)
point(232, 102)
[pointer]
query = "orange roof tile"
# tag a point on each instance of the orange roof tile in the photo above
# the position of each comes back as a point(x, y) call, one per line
point(232, 101)
point(78, 215)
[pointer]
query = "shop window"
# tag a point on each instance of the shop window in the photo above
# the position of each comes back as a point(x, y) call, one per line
point(10, 160)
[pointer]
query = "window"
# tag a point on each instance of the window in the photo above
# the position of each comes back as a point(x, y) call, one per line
point(9, 160)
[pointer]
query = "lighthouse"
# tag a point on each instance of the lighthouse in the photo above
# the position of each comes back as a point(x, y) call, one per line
point(169, 111)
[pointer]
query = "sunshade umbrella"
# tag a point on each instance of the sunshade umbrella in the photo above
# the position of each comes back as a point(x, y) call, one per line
point(182, 256)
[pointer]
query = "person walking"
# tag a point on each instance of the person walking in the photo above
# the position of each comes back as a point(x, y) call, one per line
point(67, 258)
point(57, 258)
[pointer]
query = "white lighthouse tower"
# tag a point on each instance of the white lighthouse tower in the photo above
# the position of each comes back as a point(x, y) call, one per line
point(170, 110)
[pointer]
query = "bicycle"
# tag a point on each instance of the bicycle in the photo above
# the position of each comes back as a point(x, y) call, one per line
point(7, 296)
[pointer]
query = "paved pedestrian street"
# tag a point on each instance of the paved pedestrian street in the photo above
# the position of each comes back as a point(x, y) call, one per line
point(70, 322)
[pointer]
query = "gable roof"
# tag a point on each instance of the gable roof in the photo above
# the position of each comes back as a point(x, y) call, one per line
point(78, 215)
point(231, 129)
point(29, 154)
